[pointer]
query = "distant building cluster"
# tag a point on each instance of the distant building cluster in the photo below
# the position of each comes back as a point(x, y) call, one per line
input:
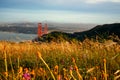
point(42, 31)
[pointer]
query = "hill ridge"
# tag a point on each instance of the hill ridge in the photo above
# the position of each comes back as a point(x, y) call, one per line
point(101, 31)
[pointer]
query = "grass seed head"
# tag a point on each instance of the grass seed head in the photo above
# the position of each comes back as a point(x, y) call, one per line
point(32, 73)
point(38, 54)
point(73, 59)
point(94, 78)
point(90, 70)
point(20, 70)
point(56, 70)
point(59, 77)
point(6, 74)
point(104, 60)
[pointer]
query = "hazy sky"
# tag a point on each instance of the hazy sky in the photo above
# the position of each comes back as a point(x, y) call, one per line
point(75, 11)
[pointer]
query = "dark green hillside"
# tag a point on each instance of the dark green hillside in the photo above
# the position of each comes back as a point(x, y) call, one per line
point(57, 37)
point(101, 32)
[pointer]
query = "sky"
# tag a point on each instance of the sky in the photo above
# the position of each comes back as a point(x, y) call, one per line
point(62, 11)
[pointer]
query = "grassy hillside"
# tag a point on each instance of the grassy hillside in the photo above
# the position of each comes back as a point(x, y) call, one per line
point(102, 31)
point(85, 60)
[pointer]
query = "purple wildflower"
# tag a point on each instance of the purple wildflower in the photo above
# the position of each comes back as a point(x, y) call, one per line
point(26, 76)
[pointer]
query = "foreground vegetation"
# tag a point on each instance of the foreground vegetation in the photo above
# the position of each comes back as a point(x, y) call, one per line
point(87, 60)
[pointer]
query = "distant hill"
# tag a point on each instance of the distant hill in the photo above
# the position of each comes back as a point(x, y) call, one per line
point(100, 31)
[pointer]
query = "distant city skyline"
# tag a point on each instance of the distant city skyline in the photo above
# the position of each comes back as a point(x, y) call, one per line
point(62, 11)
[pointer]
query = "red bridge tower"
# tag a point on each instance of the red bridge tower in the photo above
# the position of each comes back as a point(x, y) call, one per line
point(40, 31)
point(45, 29)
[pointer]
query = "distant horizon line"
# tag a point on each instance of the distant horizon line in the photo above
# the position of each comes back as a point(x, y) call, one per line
point(55, 22)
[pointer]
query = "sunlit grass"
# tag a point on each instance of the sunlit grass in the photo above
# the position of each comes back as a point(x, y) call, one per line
point(87, 60)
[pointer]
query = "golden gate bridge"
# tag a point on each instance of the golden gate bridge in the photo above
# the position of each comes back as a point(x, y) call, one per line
point(41, 31)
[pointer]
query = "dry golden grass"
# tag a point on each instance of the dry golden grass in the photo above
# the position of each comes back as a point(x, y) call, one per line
point(66, 61)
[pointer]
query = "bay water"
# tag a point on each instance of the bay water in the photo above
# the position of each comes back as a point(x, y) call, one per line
point(16, 37)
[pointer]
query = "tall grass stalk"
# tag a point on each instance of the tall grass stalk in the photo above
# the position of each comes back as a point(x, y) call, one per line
point(72, 75)
point(39, 55)
point(105, 70)
point(18, 62)
point(5, 61)
point(77, 71)
point(117, 77)
point(12, 67)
